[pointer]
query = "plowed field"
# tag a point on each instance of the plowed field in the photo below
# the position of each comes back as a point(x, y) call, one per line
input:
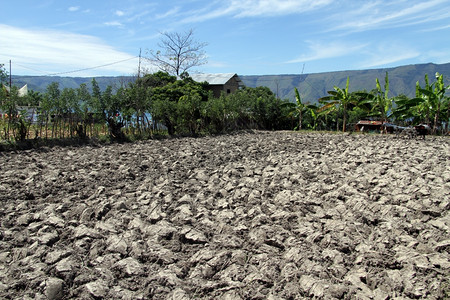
point(265, 215)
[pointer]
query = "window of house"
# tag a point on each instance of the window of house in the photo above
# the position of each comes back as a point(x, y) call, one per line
point(228, 91)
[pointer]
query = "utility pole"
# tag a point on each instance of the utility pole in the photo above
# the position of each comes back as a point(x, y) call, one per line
point(139, 66)
point(10, 78)
point(277, 83)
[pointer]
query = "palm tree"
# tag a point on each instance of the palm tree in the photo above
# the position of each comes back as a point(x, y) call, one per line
point(339, 98)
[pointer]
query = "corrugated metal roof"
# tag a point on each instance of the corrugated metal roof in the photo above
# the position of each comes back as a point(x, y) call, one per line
point(23, 91)
point(212, 79)
point(369, 122)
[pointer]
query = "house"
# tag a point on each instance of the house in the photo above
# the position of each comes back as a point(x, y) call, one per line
point(223, 82)
point(23, 91)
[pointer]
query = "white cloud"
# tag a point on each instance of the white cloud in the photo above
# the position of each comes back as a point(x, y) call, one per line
point(379, 61)
point(253, 8)
point(439, 56)
point(119, 13)
point(138, 16)
point(389, 53)
point(388, 14)
point(113, 23)
point(74, 8)
point(169, 13)
point(375, 56)
point(318, 51)
point(58, 51)
point(437, 28)
point(212, 63)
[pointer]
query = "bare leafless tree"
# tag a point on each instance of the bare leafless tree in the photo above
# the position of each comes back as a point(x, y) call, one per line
point(178, 52)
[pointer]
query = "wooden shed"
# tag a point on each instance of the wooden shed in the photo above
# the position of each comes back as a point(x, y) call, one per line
point(227, 83)
point(368, 125)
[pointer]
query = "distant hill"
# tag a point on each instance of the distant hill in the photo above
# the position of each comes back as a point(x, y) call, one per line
point(311, 86)
point(402, 80)
point(40, 83)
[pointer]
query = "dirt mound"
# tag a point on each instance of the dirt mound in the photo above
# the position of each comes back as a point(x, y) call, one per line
point(268, 215)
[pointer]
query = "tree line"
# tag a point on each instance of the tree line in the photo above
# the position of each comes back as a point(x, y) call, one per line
point(160, 103)
point(154, 104)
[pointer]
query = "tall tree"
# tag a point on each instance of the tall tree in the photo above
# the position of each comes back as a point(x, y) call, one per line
point(52, 105)
point(97, 103)
point(112, 105)
point(178, 52)
point(83, 109)
point(177, 105)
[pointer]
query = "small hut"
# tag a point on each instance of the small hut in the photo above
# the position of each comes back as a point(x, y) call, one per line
point(227, 83)
point(367, 125)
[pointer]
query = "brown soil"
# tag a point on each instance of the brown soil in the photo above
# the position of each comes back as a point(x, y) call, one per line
point(266, 215)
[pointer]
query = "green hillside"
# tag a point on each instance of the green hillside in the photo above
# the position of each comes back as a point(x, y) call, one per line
point(311, 86)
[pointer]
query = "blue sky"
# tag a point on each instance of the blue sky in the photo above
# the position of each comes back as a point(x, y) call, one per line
point(247, 37)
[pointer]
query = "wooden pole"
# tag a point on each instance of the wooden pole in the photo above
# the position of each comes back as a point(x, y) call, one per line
point(139, 66)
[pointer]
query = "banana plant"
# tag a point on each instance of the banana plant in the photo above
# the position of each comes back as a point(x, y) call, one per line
point(409, 108)
point(425, 98)
point(383, 104)
point(434, 96)
point(378, 102)
point(313, 110)
point(300, 108)
point(428, 101)
point(297, 109)
point(338, 98)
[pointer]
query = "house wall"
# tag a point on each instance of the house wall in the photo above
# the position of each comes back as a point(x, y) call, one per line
point(230, 87)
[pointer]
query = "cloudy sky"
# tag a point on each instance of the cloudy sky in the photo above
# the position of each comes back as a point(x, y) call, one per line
point(248, 37)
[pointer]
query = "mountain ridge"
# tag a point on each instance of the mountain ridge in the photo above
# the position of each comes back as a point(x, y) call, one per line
point(311, 86)
point(402, 80)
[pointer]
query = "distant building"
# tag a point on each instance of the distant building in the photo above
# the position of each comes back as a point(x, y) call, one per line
point(227, 83)
point(23, 91)
point(368, 125)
